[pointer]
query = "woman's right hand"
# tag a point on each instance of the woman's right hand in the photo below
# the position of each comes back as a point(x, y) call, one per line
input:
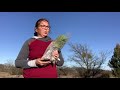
point(41, 62)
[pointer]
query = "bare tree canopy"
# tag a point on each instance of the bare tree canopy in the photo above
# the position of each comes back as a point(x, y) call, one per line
point(83, 56)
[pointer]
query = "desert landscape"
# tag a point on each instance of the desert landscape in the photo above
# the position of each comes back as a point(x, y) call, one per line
point(8, 75)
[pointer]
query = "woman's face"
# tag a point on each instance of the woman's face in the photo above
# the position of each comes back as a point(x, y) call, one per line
point(43, 29)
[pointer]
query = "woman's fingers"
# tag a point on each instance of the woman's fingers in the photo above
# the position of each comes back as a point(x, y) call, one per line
point(55, 54)
point(42, 62)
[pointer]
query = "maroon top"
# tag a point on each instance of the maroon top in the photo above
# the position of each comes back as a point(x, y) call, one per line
point(36, 50)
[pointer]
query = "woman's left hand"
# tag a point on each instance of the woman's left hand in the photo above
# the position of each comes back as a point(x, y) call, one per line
point(55, 54)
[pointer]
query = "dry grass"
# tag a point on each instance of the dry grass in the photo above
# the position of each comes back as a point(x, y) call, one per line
point(7, 75)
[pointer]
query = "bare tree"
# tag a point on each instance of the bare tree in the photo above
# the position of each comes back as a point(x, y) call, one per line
point(91, 63)
point(10, 68)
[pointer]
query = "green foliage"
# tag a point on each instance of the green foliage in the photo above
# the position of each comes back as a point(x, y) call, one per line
point(114, 63)
point(60, 41)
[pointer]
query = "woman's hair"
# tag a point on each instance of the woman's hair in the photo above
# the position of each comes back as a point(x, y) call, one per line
point(38, 23)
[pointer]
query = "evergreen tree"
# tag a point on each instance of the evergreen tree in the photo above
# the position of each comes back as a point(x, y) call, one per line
point(114, 63)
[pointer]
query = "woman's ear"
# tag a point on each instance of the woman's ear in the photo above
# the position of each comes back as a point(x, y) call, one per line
point(35, 29)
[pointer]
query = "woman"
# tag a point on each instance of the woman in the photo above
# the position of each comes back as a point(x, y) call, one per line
point(29, 57)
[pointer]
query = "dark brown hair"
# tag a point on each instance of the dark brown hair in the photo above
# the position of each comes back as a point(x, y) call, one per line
point(38, 23)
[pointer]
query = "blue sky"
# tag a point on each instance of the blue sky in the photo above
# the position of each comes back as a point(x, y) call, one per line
point(99, 30)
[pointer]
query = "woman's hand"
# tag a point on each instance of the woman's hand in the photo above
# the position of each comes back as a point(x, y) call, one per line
point(55, 54)
point(42, 62)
